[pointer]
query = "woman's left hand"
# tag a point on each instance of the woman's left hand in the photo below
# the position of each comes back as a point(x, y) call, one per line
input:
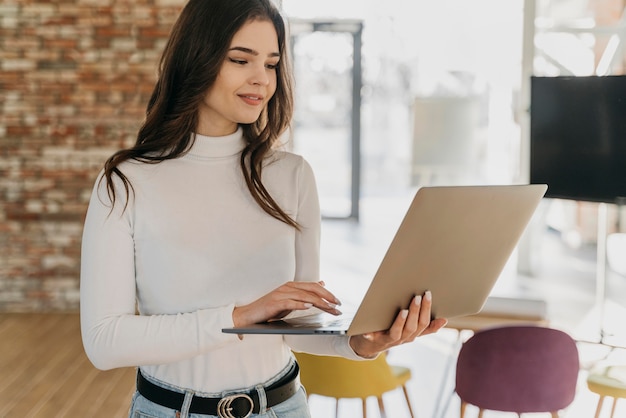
point(408, 325)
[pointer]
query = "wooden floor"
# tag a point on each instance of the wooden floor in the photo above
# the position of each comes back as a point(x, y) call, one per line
point(44, 371)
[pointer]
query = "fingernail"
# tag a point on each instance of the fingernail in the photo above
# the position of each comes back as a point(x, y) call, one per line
point(321, 282)
point(404, 313)
point(417, 300)
point(428, 296)
point(308, 305)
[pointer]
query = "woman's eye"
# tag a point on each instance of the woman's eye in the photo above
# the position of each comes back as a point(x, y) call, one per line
point(271, 66)
point(238, 61)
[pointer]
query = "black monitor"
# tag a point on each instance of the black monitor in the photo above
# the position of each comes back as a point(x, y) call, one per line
point(578, 137)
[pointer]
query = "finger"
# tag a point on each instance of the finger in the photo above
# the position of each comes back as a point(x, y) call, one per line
point(419, 320)
point(411, 326)
point(314, 293)
point(279, 311)
point(328, 308)
point(397, 328)
point(425, 310)
point(298, 306)
point(437, 324)
point(327, 295)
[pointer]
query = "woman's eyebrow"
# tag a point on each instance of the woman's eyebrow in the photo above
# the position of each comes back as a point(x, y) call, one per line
point(252, 51)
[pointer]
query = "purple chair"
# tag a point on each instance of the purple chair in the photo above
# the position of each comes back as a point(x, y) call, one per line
point(518, 369)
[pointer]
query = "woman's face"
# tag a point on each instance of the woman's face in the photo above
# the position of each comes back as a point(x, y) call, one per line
point(245, 83)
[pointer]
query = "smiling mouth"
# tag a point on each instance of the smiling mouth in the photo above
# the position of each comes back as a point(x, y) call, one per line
point(251, 99)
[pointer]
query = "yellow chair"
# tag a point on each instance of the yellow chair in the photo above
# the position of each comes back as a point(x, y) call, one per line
point(337, 377)
point(608, 381)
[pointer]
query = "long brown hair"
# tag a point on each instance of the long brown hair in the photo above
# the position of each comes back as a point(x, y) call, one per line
point(190, 63)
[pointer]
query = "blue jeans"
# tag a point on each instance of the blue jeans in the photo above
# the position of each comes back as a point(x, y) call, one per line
point(294, 407)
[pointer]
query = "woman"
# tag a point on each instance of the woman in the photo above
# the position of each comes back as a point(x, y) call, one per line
point(203, 225)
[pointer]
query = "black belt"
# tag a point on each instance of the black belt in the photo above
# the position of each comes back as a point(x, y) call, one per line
point(237, 405)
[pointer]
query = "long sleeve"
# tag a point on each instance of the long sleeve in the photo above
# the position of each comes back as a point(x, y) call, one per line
point(162, 272)
point(307, 267)
point(113, 335)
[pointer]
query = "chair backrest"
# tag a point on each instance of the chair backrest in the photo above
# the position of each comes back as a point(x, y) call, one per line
point(518, 369)
point(338, 377)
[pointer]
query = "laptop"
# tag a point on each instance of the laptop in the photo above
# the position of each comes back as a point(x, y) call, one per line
point(453, 241)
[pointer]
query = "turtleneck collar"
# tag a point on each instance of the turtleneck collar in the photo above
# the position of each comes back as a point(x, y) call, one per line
point(218, 146)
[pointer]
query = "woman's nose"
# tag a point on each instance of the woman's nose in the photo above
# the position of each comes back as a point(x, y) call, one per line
point(260, 76)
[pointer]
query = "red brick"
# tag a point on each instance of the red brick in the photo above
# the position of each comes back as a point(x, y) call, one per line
point(60, 43)
point(19, 130)
point(112, 32)
point(60, 21)
point(154, 32)
point(66, 88)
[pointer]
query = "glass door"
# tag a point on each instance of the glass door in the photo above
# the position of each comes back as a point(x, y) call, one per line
point(326, 128)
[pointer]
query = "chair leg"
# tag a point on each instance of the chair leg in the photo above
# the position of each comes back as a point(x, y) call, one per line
point(364, 402)
point(381, 407)
point(463, 407)
point(480, 413)
point(613, 407)
point(599, 408)
point(408, 401)
point(555, 414)
point(336, 408)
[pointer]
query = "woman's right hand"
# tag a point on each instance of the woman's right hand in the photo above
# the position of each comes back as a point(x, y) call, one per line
point(281, 301)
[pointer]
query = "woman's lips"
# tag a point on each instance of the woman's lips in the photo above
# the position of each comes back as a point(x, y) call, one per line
point(251, 99)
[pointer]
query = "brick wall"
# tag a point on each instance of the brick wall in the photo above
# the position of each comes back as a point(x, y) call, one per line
point(75, 77)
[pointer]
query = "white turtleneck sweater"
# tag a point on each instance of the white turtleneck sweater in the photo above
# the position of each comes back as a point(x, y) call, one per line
point(190, 246)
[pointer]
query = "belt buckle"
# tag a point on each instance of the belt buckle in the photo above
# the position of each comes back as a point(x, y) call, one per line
point(225, 409)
